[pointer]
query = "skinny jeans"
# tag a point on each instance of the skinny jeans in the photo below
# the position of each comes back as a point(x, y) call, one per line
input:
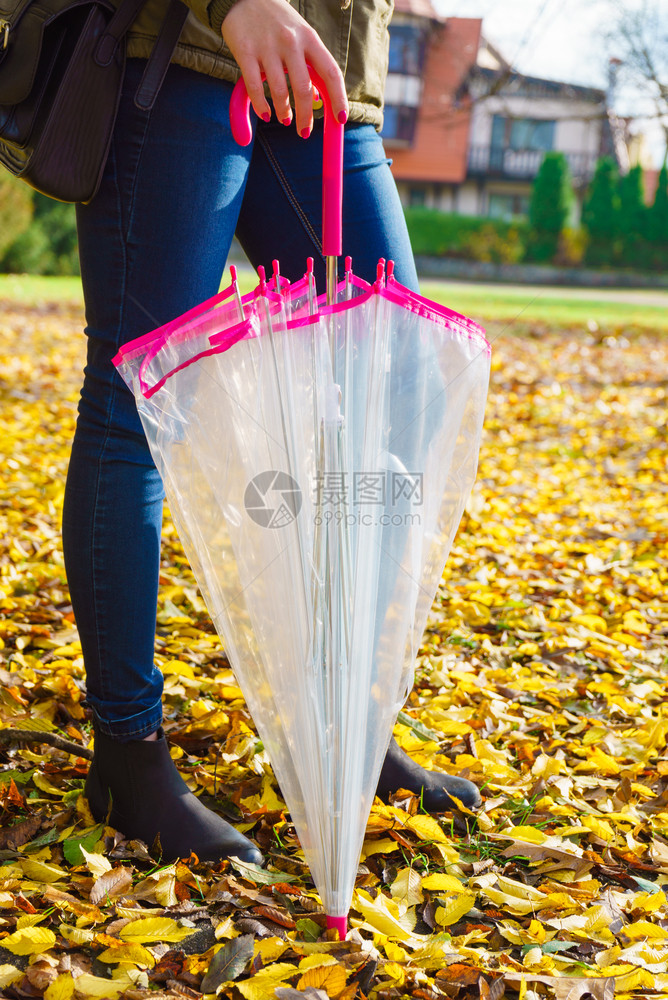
point(153, 243)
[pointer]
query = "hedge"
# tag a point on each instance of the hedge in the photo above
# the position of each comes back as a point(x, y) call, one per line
point(469, 237)
point(16, 210)
point(37, 234)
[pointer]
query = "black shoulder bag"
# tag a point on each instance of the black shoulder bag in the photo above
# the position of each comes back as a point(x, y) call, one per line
point(62, 64)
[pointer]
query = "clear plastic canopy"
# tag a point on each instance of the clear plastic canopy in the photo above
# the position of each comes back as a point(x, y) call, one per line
point(317, 460)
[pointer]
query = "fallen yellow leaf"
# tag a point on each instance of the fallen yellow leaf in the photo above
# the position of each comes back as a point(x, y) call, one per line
point(263, 984)
point(406, 888)
point(9, 974)
point(381, 914)
point(454, 908)
point(61, 988)
point(29, 941)
point(426, 828)
point(440, 882)
point(127, 953)
point(154, 929)
point(331, 978)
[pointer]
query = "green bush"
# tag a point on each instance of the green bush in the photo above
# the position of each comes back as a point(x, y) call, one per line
point(646, 256)
point(600, 213)
point(493, 245)
point(16, 209)
point(632, 219)
point(657, 216)
point(468, 237)
point(550, 207)
point(29, 253)
point(571, 247)
point(46, 243)
point(632, 210)
point(621, 230)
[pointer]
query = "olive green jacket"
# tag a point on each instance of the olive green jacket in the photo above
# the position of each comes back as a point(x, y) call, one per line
point(354, 31)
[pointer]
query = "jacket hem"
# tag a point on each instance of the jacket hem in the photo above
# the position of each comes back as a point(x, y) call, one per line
point(187, 56)
point(217, 65)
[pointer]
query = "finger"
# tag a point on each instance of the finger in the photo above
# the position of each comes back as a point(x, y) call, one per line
point(252, 74)
point(302, 93)
point(278, 88)
point(327, 68)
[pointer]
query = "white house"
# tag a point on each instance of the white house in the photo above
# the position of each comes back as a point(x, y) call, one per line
point(467, 133)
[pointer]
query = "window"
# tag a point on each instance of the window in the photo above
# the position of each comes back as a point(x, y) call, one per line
point(408, 43)
point(407, 49)
point(417, 197)
point(399, 123)
point(522, 133)
point(508, 206)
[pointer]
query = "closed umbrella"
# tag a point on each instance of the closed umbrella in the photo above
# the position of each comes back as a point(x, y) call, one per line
point(317, 453)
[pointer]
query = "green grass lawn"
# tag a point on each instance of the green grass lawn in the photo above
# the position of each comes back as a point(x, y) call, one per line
point(610, 310)
point(34, 289)
point(519, 307)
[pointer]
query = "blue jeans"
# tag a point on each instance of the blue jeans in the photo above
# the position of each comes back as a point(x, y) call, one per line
point(153, 243)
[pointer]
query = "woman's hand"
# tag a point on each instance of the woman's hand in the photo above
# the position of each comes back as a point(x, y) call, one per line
point(270, 37)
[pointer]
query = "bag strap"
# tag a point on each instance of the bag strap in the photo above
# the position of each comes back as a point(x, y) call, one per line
point(119, 24)
point(160, 58)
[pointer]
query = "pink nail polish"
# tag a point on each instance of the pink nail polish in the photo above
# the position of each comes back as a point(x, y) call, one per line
point(343, 117)
point(305, 133)
point(266, 117)
point(286, 121)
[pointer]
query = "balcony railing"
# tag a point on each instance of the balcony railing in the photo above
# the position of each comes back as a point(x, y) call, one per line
point(523, 164)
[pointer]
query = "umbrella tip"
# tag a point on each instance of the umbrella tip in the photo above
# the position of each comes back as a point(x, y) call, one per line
point(263, 279)
point(309, 265)
point(233, 273)
point(349, 263)
point(380, 271)
point(339, 924)
point(390, 270)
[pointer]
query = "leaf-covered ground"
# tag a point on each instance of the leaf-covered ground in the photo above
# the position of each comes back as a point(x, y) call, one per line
point(543, 678)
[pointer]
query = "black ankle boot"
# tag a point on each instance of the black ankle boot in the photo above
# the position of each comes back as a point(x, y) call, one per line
point(436, 787)
point(149, 798)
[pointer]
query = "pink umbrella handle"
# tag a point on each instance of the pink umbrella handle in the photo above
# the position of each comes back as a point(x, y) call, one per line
point(332, 167)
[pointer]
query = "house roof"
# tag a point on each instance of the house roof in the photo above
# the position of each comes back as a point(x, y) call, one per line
point(439, 150)
point(490, 57)
point(538, 86)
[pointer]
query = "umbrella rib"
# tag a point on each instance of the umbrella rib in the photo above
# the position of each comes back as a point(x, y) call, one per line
point(434, 399)
point(243, 408)
point(290, 445)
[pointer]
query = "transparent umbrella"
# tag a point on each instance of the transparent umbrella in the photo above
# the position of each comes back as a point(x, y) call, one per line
point(317, 454)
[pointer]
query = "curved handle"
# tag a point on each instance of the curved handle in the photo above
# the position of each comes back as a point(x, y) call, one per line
point(332, 158)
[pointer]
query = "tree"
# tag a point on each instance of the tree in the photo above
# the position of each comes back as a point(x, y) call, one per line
point(632, 218)
point(550, 206)
point(657, 217)
point(632, 211)
point(16, 209)
point(638, 39)
point(600, 213)
point(48, 243)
